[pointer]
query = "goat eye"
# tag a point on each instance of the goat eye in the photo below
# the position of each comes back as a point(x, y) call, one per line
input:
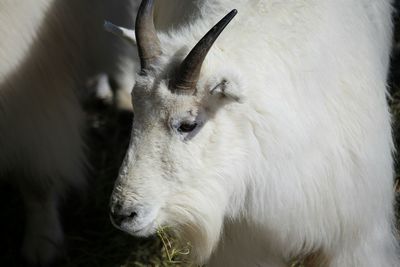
point(187, 127)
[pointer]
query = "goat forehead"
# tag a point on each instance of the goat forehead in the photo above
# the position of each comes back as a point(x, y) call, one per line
point(165, 104)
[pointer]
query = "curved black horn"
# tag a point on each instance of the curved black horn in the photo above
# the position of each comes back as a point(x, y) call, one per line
point(147, 41)
point(189, 70)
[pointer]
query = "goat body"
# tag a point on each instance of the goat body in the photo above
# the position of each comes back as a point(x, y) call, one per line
point(292, 149)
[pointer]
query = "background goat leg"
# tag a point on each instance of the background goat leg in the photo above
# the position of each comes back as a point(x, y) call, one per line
point(43, 240)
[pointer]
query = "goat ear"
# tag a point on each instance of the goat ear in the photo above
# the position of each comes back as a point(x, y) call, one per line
point(229, 89)
point(121, 32)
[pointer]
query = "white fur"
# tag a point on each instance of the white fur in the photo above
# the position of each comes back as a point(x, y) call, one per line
point(302, 166)
point(47, 49)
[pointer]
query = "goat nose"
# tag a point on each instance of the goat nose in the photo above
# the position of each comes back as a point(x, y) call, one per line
point(118, 214)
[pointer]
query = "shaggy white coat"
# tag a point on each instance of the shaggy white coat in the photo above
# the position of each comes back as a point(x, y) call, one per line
point(295, 156)
point(47, 49)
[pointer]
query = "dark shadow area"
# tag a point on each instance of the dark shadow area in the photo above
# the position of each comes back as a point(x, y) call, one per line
point(90, 238)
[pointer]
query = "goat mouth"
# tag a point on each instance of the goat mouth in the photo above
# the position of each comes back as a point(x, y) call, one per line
point(144, 230)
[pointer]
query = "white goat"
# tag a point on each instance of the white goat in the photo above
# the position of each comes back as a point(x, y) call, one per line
point(47, 49)
point(278, 146)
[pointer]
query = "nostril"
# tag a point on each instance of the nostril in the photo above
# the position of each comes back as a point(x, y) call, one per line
point(118, 214)
point(133, 215)
point(117, 218)
point(116, 208)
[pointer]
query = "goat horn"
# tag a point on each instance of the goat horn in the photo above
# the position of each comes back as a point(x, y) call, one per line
point(149, 47)
point(189, 70)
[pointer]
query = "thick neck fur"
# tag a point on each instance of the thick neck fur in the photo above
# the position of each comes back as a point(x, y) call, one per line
point(294, 80)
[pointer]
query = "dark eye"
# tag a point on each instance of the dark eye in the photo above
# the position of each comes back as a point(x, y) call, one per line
point(187, 127)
